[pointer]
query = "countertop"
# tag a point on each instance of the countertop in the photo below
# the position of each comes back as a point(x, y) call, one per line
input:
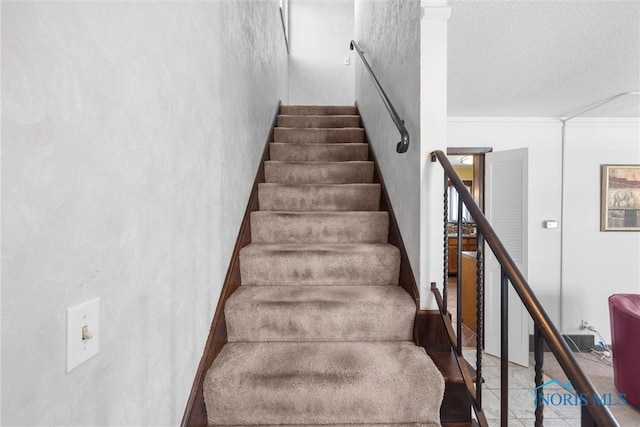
point(469, 254)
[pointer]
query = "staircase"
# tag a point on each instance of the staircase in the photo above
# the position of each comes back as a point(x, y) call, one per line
point(319, 332)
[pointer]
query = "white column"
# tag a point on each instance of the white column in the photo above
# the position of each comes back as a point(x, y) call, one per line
point(433, 136)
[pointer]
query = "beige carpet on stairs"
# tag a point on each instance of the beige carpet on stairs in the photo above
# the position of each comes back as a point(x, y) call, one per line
point(320, 333)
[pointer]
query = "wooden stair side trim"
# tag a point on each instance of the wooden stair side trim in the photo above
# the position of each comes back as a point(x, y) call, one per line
point(407, 279)
point(430, 331)
point(431, 334)
point(459, 395)
point(195, 414)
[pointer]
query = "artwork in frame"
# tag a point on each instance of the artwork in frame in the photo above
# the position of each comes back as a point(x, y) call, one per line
point(620, 198)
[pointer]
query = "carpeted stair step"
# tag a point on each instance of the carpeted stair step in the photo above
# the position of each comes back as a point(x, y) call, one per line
point(333, 152)
point(319, 227)
point(318, 172)
point(319, 332)
point(319, 197)
point(316, 121)
point(320, 313)
point(328, 110)
point(318, 135)
point(319, 383)
point(327, 264)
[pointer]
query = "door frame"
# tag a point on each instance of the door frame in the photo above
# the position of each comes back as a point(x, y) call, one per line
point(477, 190)
point(478, 154)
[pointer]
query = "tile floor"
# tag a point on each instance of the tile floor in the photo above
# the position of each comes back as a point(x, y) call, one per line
point(521, 382)
point(521, 396)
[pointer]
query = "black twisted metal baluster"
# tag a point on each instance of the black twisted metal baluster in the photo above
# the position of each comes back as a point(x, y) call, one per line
point(538, 351)
point(479, 315)
point(459, 279)
point(446, 244)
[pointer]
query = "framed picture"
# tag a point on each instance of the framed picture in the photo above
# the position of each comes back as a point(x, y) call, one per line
point(620, 198)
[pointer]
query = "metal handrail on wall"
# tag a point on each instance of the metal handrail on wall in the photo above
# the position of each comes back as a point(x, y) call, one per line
point(284, 28)
point(593, 413)
point(403, 145)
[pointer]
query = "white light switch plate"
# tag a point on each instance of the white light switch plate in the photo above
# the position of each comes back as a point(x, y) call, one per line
point(80, 350)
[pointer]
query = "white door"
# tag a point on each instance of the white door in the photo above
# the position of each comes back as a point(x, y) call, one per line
point(506, 209)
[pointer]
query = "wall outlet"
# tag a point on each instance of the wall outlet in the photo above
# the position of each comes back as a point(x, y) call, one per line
point(584, 324)
point(347, 60)
point(82, 333)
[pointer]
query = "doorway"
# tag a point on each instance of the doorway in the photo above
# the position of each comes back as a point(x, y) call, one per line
point(469, 163)
point(499, 186)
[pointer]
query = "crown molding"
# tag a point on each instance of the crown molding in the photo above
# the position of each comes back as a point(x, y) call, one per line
point(609, 121)
point(579, 121)
point(503, 120)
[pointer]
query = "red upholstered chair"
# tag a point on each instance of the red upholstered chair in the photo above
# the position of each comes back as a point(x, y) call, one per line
point(624, 313)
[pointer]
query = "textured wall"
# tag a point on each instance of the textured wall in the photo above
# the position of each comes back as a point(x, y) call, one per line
point(131, 133)
point(389, 34)
point(319, 35)
point(594, 265)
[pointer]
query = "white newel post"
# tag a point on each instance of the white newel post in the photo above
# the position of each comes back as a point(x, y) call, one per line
point(433, 136)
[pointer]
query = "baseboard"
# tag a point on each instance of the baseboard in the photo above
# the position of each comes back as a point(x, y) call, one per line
point(195, 414)
point(584, 342)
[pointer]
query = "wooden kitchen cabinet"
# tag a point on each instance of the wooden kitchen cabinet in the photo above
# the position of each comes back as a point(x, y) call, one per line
point(452, 250)
point(469, 291)
point(468, 244)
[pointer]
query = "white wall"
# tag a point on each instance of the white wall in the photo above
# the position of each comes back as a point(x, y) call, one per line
point(131, 133)
point(542, 137)
point(389, 34)
point(595, 265)
point(319, 36)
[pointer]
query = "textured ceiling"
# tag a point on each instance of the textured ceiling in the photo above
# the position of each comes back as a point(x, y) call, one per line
point(543, 58)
